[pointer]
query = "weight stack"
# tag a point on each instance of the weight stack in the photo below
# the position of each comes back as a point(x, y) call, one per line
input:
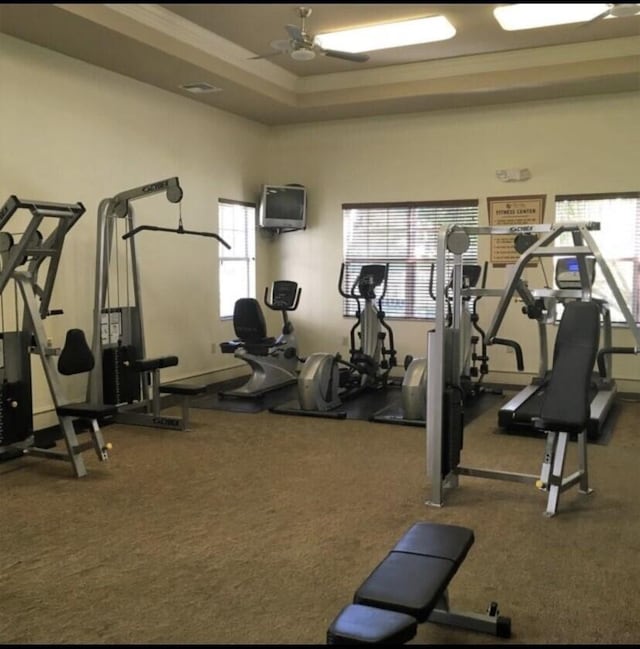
point(16, 409)
point(120, 383)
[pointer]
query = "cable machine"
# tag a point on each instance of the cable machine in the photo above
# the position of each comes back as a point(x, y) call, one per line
point(22, 260)
point(445, 412)
point(123, 375)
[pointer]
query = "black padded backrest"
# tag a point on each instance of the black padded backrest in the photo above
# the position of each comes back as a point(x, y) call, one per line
point(248, 320)
point(566, 402)
point(76, 356)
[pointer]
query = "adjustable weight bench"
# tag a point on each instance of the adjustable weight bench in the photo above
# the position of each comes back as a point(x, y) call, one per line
point(409, 587)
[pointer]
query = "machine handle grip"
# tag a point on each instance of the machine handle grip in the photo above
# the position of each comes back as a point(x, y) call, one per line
point(602, 370)
point(178, 230)
point(516, 348)
point(340, 280)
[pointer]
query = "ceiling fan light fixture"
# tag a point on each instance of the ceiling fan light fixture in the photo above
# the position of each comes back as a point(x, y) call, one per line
point(531, 16)
point(303, 54)
point(386, 35)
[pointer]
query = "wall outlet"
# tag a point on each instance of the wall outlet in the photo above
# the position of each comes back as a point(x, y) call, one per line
point(214, 348)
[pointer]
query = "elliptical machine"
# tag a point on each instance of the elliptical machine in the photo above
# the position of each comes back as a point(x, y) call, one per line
point(274, 361)
point(327, 380)
point(414, 383)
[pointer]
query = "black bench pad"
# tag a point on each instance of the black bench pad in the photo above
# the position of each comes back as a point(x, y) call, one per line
point(86, 410)
point(149, 364)
point(357, 624)
point(437, 540)
point(182, 388)
point(407, 583)
point(415, 574)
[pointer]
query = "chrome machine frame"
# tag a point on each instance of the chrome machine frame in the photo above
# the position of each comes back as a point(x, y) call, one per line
point(111, 326)
point(444, 350)
point(32, 249)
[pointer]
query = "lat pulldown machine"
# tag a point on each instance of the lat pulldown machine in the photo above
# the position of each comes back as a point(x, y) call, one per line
point(123, 375)
point(22, 260)
point(565, 407)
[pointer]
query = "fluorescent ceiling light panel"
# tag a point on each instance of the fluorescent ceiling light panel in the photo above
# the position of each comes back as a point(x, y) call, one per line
point(380, 37)
point(530, 16)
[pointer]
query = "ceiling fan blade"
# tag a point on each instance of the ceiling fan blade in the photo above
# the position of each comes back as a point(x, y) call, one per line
point(266, 56)
point(281, 45)
point(347, 56)
point(294, 32)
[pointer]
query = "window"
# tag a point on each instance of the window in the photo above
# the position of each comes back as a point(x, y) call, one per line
point(404, 235)
point(618, 240)
point(237, 277)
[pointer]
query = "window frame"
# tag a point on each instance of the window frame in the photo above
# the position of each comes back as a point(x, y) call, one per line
point(633, 299)
point(248, 241)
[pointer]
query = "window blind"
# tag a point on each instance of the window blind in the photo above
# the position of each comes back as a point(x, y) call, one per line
point(236, 225)
point(405, 236)
point(618, 240)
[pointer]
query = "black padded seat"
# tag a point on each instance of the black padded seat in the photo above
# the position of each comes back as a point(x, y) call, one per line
point(150, 364)
point(250, 328)
point(357, 624)
point(87, 410)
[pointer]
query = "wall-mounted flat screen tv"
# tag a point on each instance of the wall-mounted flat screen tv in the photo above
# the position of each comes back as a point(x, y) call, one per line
point(283, 207)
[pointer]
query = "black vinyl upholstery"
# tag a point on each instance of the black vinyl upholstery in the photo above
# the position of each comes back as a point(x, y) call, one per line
point(248, 320)
point(567, 396)
point(414, 575)
point(404, 588)
point(76, 356)
point(250, 328)
point(358, 624)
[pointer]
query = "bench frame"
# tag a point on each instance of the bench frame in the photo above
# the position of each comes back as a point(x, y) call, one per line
point(387, 607)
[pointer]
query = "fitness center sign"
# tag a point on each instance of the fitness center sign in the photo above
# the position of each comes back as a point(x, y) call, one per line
point(516, 211)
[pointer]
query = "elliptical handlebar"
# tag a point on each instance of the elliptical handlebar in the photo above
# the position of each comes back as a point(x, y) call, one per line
point(375, 277)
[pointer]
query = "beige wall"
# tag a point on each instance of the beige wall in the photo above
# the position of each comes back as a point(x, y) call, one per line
point(585, 144)
point(73, 132)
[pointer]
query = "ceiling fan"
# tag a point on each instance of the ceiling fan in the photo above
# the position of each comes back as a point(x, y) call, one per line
point(617, 11)
point(302, 46)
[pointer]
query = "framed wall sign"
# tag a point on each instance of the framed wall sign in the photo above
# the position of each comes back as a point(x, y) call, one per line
point(512, 210)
